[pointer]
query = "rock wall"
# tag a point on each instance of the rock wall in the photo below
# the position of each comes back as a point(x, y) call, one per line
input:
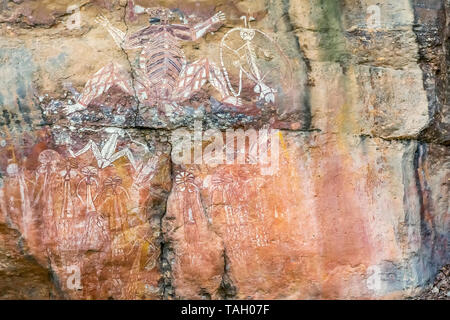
point(342, 190)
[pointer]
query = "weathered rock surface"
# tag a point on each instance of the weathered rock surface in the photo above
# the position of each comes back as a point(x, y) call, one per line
point(22, 276)
point(95, 205)
point(440, 289)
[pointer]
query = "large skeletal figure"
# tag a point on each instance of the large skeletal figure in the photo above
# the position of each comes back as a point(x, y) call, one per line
point(163, 76)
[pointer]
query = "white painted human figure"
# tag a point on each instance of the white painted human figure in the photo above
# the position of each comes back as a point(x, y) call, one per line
point(49, 162)
point(188, 199)
point(96, 234)
point(114, 204)
point(67, 209)
point(163, 76)
point(243, 57)
point(89, 179)
point(15, 172)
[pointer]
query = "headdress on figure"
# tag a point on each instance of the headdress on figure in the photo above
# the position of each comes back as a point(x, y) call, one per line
point(156, 14)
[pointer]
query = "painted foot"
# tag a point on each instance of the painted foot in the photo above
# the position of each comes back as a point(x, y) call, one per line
point(235, 101)
point(266, 93)
point(73, 108)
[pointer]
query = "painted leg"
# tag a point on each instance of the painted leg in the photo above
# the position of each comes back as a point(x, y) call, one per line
point(143, 87)
point(194, 77)
point(101, 82)
point(191, 80)
point(91, 145)
point(217, 80)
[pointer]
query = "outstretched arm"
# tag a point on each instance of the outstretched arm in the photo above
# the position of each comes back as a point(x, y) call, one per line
point(211, 24)
point(120, 37)
point(116, 34)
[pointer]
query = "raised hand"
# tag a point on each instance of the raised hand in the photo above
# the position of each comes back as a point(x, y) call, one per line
point(102, 20)
point(219, 17)
point(117, 34)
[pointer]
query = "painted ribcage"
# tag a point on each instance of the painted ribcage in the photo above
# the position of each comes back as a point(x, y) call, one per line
point(162, 61)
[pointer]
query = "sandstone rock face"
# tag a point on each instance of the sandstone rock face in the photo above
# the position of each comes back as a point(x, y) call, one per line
point(120, 175)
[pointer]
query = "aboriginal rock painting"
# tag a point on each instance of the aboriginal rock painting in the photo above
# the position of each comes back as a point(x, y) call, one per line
point(249, 66)
point(190, 216)
point(82, 195)
point(89, 202)
point(247, 52)
point(163, 76)
point(235, 206)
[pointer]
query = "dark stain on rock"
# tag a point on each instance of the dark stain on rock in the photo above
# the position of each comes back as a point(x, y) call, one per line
point(25, 111)
point(306, 110)
point(332, 40)
point(432, 34)
point(6, 118)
